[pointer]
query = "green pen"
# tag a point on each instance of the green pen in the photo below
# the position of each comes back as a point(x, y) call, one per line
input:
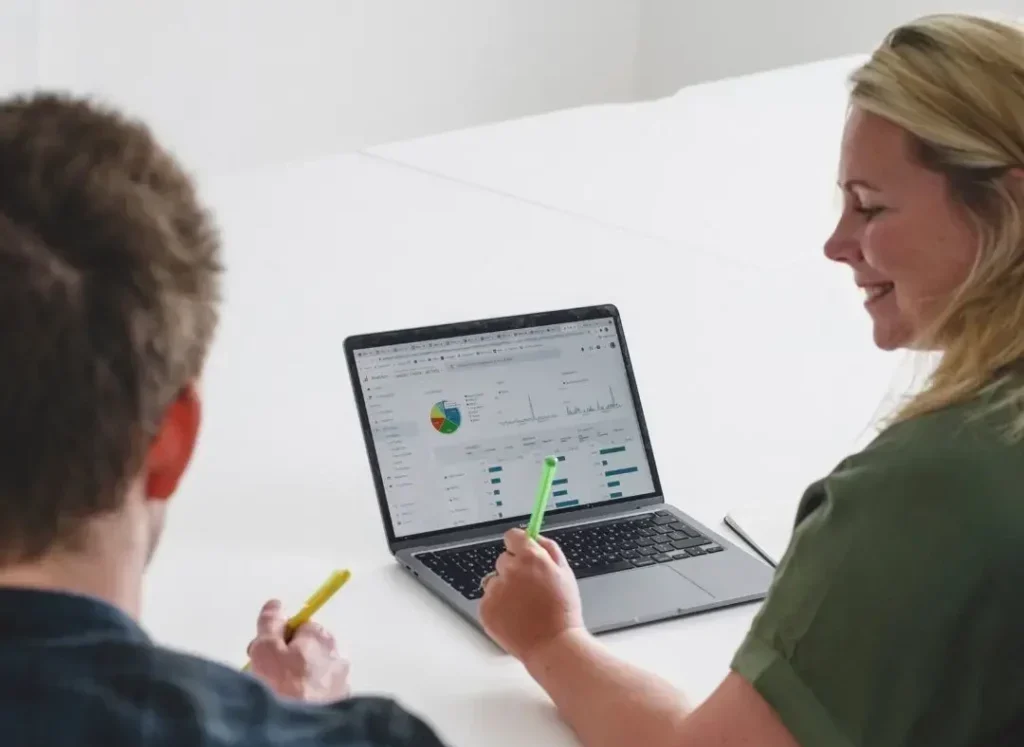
point(546, 478)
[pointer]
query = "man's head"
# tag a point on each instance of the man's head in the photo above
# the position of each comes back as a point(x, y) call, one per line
point(109, 289)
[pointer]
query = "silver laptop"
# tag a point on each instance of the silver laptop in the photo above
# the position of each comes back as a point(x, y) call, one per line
point(458, 420)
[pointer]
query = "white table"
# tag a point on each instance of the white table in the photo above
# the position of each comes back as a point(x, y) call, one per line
point(755, 380)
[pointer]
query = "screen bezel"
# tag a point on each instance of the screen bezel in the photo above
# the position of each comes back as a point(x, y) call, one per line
point(355, 343)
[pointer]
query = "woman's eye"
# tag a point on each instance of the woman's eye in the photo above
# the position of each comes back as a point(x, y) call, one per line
point(869, 212)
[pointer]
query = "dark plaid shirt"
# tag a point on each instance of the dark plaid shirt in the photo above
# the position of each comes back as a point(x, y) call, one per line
point(75, 671)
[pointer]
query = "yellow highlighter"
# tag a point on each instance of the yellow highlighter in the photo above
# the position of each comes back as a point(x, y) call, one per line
point(319, 598)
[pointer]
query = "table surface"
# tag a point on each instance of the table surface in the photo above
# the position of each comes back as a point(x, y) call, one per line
point(756, 379)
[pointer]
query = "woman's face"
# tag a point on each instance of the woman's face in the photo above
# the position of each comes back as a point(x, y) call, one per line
point(909, 244)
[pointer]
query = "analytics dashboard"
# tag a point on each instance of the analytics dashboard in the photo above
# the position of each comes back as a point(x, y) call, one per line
point(461, 426)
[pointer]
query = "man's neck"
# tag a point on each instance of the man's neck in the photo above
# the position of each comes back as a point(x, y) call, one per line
point(109, 572)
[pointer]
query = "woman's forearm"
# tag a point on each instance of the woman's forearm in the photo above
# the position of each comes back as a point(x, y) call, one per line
point(606, 701)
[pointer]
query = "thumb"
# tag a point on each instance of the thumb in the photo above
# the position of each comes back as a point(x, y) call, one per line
point(552, 549)
point(271, 622)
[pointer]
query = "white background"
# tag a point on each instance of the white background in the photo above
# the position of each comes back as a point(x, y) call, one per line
point(234, 83)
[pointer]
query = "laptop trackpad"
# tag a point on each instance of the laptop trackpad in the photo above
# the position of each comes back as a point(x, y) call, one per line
point(644, 594)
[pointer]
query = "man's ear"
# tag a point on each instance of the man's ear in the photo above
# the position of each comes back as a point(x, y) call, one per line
point(171, 450)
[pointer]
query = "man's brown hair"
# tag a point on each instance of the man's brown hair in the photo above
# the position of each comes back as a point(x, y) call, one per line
point(109, 290)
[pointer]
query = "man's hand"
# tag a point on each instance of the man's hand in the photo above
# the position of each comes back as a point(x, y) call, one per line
point(307, 668)
point(533, 599)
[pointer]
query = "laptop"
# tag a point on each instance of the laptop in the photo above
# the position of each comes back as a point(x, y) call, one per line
point(457, 421)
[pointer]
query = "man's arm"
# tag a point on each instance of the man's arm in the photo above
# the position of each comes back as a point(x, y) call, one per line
point(532, 609)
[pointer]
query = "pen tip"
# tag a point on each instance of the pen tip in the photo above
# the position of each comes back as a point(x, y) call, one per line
point(550, 461)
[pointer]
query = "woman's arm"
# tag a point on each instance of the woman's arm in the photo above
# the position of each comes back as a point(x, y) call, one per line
point(532, 609)
point(605, 700)
point(609, 702)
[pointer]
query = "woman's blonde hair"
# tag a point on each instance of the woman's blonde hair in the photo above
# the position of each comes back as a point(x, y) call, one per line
point(956, 84)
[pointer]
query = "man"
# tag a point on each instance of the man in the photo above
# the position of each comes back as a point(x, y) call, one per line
point(109, 292)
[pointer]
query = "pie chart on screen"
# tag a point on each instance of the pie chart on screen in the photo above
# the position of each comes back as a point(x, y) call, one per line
point(445, 417)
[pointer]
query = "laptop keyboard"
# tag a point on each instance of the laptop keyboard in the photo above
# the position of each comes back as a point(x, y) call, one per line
point(592, 550)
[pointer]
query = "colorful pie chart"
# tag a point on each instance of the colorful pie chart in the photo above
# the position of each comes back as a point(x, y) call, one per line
point(445, 417)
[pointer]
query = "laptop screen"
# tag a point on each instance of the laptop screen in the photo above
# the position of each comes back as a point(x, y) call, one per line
point(461, 425)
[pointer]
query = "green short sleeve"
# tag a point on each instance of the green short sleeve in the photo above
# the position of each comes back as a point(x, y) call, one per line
point(894, 617)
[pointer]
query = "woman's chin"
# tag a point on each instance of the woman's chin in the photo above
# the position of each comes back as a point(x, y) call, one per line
point(891, 336)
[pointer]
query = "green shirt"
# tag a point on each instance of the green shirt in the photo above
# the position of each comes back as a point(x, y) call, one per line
point(896, 616)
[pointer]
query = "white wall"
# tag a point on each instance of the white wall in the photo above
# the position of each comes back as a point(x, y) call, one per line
point(686, 41)
point(231, 83)
point(18, 44)
point(235, 83)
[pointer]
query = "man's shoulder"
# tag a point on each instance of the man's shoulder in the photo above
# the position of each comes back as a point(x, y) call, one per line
point(110, 691)
point(224, 701)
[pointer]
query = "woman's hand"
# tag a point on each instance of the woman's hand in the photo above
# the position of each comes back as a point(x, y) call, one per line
point(308, 667)
point(532, 599)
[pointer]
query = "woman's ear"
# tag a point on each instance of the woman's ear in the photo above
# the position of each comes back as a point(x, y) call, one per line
point(172, 447)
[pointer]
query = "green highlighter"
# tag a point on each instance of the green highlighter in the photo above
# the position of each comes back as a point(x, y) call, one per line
point(547, 477)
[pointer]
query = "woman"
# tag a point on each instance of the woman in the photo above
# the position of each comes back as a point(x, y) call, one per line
point(895, 616)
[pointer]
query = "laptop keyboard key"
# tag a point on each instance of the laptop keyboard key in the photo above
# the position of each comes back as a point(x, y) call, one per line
point(713, 548)
point(591, 549)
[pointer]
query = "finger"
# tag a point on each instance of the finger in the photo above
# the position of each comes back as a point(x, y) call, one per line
point(487, 579)
point(552, 548)
point(504, 564)
point(312, 643)
point(516, 541)
point(321, 633)
point(265, 650)
point(271, 621)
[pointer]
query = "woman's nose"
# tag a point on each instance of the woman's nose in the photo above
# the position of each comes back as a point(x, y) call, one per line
point(844, 244)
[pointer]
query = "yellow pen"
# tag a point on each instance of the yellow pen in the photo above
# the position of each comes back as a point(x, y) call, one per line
point(319, 598)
